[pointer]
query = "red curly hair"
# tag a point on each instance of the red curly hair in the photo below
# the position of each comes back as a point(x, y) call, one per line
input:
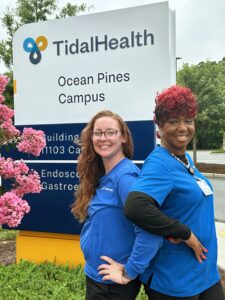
point(173, 102)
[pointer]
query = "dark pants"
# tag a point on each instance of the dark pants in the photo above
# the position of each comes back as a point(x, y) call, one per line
point(101, 291)
point(215, 292)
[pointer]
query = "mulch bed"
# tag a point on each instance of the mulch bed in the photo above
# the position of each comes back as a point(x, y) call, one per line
point(7, 252)
point(211, 168)
point(222, 273)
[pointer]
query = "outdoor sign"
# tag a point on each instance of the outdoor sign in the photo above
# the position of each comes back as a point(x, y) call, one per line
point(67, 70)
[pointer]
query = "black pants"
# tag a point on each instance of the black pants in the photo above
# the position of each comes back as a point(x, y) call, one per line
point(215, 292)
point(101, 291)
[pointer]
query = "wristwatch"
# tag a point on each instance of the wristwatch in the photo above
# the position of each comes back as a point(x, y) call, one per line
point(124, 274)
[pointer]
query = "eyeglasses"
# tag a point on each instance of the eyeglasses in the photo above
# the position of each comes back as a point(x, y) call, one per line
point(108, 133)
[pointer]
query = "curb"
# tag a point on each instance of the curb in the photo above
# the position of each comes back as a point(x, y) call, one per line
point(214, 175)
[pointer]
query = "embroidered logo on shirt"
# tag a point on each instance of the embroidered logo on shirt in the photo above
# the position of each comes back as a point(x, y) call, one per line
point(104, 188)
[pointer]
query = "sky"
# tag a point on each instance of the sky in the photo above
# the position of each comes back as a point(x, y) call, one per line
point(200, 25)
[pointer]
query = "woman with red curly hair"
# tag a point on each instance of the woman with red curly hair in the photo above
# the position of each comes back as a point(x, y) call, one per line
point(171, 198)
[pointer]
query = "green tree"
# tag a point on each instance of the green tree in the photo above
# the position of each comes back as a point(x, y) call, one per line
point(70, 10)
point(29, 11)
point(207, 81)
point(11, 24)
point(34, 10)
point(8, 94)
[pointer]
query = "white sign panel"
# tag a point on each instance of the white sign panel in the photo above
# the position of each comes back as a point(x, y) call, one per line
point(67, 70)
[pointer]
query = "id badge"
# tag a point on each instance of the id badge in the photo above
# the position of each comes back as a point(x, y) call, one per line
point(204, 187)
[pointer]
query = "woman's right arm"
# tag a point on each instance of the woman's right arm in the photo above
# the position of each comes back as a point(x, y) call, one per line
point(144, 211)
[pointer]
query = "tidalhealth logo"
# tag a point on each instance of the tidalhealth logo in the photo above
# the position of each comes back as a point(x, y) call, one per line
point(34, 47)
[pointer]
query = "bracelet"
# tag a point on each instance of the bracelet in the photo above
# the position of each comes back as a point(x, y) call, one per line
point(124, 274)
point(122, 279)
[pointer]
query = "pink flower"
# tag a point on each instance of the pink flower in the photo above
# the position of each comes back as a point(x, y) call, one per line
point(12, 209)
point(4, 80)
point(12, 206)
point(25, 184)
point(32, 141)
point(6, 113)
point(2, 98)
point(9, 131)
point(12, 169)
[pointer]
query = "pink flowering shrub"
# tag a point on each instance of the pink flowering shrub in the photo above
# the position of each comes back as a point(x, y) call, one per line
point(3, 83)
point(32, 141)
point(2, 98)
point(12, 209)
point(24, 180)
point(29, 183)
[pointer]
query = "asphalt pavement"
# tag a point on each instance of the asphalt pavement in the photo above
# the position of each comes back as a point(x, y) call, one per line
point(218, 182)
point(219, 197)
point(206, 156)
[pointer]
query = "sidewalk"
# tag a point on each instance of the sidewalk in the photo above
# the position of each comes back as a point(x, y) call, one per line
point(220, 230)
point(214, 175)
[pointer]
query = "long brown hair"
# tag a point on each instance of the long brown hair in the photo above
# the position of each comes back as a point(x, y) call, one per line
point(90, 166)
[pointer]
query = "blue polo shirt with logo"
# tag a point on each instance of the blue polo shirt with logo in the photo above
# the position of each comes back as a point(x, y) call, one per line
point(176, 271)
point(108, 232)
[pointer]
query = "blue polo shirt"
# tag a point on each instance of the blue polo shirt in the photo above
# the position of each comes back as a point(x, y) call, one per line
point(176, 271)
point(108, 232)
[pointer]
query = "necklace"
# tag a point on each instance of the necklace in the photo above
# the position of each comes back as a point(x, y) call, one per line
point(187, 166)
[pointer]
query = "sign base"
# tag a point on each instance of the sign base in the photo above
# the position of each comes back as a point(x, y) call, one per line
point(57, 248)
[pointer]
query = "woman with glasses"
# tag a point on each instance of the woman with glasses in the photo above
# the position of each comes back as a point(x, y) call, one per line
point(106, 176)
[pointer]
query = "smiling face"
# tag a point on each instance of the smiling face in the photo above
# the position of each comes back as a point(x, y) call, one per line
point(108, 146)
point(176, 133)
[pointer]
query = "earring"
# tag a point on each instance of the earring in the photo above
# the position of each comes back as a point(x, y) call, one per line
point(158, 135)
